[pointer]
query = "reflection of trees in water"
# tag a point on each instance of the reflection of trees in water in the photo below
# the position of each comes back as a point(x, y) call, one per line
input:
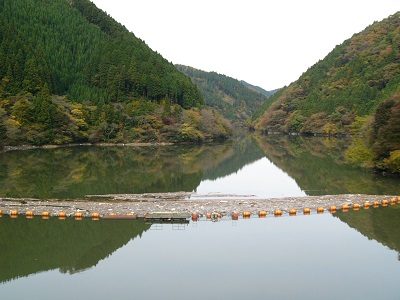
point(74, 172)
point(243, 151)
point(30, 246)
point(78, 171)
point(318, 166)
point(380, 224)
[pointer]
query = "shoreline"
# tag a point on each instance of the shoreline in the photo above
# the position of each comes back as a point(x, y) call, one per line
point(29, 147)
point(179, 203)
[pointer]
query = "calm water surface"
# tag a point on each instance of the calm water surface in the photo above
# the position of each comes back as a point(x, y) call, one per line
point(251, 165)
point(352, 255)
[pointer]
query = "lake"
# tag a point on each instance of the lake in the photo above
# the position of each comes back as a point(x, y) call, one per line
point(353, 255)
point(260, 166)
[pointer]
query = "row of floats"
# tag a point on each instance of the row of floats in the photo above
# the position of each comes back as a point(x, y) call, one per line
point(168, 216)
point(77, 215)
point(306, 211)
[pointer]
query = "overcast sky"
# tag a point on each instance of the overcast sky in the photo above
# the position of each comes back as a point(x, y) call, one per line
point(266, 43)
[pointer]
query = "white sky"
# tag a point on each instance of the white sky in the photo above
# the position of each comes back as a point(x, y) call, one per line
point(266, 43)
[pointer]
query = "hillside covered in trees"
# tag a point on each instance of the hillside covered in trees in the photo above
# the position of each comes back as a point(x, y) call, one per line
point(259, 89)
point(235, 100)
point(71, 73)
point(354, 90)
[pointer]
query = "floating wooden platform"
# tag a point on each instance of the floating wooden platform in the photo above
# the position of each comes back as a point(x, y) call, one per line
point(170, 221)
point(167, 216)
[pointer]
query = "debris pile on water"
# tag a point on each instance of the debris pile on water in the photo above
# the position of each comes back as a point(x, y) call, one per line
point(180, 202)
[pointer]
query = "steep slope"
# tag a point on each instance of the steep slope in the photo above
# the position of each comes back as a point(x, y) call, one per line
point(233, 99)
point(349, 82)
point(354, 90)
point(77, 49)
point(114, 87)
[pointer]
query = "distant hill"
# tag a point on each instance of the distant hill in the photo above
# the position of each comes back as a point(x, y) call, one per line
point(234, 99)
point(259, 89)
point(114, 86)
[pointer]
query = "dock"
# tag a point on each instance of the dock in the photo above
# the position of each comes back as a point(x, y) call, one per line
point(167, 217)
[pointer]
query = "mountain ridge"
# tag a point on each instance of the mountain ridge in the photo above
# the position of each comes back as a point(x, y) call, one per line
point(259, 89)
point(355, 75)
point(234, 99)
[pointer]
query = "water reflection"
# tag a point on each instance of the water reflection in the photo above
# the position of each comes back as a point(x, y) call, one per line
point(78, 171)
point(318, 166)
point(305, 257)
point(264, 166)
point(261, 179)
point(29, 246)
point(380, 224)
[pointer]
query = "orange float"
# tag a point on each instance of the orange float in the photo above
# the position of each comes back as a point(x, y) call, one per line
point(306, 211)
point(95, 216)
point(29, 214)
point(62, 215)
point(262, 214)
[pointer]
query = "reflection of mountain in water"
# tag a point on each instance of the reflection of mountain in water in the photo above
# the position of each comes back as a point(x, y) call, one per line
point(381, 224)
point(30, 246)
point(77, 171)
point(74, 172)
point(244, 151)
point(318, 166)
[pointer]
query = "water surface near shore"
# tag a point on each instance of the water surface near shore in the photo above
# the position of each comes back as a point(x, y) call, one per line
point(256, 166)
point(301, 257)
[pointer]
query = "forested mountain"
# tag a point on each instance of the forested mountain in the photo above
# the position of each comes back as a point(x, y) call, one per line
point(114, 80)
point(259, 89)
point(234, 99)
point(354, 90)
